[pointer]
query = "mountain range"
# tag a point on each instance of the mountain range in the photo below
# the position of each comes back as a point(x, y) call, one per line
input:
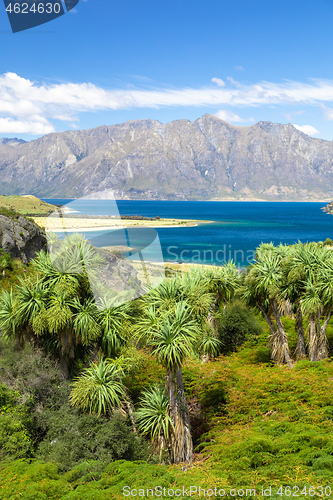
point(208, 159)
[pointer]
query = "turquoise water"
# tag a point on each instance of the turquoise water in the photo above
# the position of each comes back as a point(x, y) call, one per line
point(238, 228)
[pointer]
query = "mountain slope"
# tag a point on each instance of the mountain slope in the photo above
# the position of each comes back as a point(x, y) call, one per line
point(144, 159)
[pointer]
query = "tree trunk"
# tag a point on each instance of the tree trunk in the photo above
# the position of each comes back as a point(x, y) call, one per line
point(187, 440)
point(93, 358)
point(273, 338)
point(171, 389)
point(160, 445)
point(322, 351)
point(313, 339)
point(180, 439)
point(131, 417)
point(212, 321)
point(267, 318)
point(64, 367)
point(174, 415)
point(282, 353)
point(300, 351)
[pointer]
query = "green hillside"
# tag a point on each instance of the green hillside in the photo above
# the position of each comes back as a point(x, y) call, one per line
point(26, 205)
point(265, 426)
point(216, 380)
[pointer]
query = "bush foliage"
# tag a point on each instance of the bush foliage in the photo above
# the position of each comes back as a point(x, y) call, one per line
point(235, 325)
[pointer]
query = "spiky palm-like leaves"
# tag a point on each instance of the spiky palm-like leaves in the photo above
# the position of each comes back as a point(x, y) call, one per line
point(8, 314)
point(309, 276)
point(171, 325)
point(111, 320)
point(85, 320)
point(191, 287)
point(165, 296)
point(223, 282)
point(99, 389)
point(153, 418)
point(171, 337)
point(196, 292)
point(209, 345)
point(56, 306)
point(262, 288)
point(301, 275)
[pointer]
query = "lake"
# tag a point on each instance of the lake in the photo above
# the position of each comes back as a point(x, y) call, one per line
point(238, 228)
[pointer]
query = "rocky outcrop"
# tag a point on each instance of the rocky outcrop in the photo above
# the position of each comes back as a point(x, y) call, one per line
point(208, 159)
point(328, 208)
point(117, 275)
point(21, 237)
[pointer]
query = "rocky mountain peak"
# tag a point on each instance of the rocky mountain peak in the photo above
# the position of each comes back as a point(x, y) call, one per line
point(145, 159)
point(11, 141)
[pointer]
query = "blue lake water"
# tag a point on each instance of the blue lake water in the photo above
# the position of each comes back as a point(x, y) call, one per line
point(238, 228)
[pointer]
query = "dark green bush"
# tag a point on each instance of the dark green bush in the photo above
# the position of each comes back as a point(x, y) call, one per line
point(54, 430)
point(235, 325)
point(73, 438)
point(28, 370)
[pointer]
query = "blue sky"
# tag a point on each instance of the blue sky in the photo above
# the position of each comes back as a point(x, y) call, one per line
point(108, 62)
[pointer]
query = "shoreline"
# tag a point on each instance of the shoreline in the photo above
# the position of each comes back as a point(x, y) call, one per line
point(72, 225)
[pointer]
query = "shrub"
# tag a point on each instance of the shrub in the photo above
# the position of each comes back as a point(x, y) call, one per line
point(73, 438)
point(10, 212)
point(28, 370)
point(15, 441)
point(235, 324)
point(5, 260)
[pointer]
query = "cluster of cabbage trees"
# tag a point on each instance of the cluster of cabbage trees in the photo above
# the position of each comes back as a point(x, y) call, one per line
point(295, 280)
point(54, 307)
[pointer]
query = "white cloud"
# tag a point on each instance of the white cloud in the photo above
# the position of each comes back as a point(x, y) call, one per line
point(233, 81)
point(229, 116)
point(8, 126)
point(307, 129)
point(25, 102)
point(218, 81)
point(239, 68)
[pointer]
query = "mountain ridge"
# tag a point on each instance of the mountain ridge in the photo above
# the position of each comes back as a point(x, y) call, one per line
point(207, 159)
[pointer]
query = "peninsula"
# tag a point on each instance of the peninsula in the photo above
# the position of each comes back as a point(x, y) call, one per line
point(42, 213)
point(75, 223)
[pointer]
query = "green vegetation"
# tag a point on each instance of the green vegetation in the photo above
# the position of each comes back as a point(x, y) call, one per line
point(215, 378)
point(28, 205)
point(6, 262)
point(235, 325)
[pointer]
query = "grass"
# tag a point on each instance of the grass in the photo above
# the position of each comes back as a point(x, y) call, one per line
point(25, 205)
